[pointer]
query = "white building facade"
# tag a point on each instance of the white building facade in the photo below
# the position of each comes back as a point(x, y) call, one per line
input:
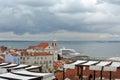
point(43, 59)
point(45, 47)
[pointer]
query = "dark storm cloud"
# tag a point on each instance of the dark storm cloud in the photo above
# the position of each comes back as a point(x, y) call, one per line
point(37, 3)
point(32, 21)
point(112, 1)
point(44, 16)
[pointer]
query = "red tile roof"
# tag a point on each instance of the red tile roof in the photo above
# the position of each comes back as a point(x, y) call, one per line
point(59, 63)
point(36, 53)
point(24, 53)
point(40, 45)
point(41, 54)
point(70, 73)
point(43, 44)
point(2, 55)
point(32, 47)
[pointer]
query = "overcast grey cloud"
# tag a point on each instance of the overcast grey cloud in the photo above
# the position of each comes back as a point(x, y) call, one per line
point(112, 1)
point(36, 17)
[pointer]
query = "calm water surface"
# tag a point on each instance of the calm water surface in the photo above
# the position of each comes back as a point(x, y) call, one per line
point(91, 48)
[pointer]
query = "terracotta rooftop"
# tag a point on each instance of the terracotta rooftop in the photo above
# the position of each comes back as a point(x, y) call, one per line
point(41, 54)
point(35, 53)
point(32, 47)
point(70, 73)
point(2, 55)
point(40, 45)
point(59, 63)
point(24, 53)
point(43, 44)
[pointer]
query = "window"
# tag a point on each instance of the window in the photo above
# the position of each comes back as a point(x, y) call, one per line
point(41, 58)
point(45, 57)
point(40, 62)
point(55, 44)
point(44, 62)
point(38, 58)
point(50, 61)
point(35, 62)
point(27, 58)
point(52, 44)
point(23, 58)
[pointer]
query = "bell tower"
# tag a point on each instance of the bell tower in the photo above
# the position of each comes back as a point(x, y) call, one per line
point(54, 43)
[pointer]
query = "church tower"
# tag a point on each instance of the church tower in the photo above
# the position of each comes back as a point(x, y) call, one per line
point(54, 43)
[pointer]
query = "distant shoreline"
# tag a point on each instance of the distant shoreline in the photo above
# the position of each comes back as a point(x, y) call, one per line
point(90, 48)
point(101, 41)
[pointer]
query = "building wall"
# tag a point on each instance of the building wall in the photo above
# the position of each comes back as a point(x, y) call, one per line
point(52, 51)
point(49, 50)
point(9, 58)
point(72, 74)
point(17, 59)
point(45, 61)
point(106, 74)
point(12, 59)
point(1, 60)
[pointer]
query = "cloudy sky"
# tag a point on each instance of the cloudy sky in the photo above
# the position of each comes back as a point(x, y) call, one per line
point(63, 19)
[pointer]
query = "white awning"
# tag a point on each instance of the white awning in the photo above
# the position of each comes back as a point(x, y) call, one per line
point(10, 65)
point(95, 67)
point(115, 64)
point(72, 65)
point(2, 64)
point(78, 62)
point(24, 72)
point(14, 76)
point(99, 65)
point(20, 66)
point(46, 76)
point(112, 67)
point(108, 68)
point(90, 63)
point(32, 67)
point(103, 63)
point(2, 70)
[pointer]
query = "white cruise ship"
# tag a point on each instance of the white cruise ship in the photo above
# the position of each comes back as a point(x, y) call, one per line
point(68, 53)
